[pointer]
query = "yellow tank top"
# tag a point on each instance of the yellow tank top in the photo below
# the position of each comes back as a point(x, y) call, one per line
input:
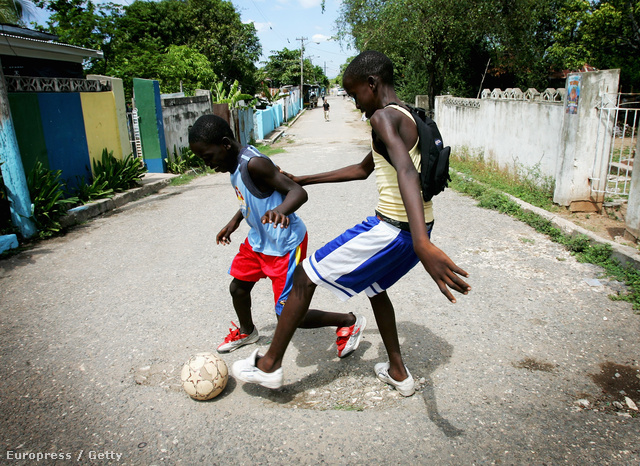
point(389, 200)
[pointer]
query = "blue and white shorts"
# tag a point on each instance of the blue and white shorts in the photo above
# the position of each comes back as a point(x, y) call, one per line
point(369, 257)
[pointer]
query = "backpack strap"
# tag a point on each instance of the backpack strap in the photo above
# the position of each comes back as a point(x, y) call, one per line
point(383, 152)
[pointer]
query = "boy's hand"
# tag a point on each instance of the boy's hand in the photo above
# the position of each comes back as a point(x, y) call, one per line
point(444, 272)
point(293, 178)
point(275, 217)
point(224, 237)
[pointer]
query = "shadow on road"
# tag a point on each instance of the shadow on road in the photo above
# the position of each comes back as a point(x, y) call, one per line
point(423, 351)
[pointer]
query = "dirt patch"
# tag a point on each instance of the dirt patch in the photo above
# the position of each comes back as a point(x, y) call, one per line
point(532, 364)
point(620, 390)
point(609, 224)
point(618, 379)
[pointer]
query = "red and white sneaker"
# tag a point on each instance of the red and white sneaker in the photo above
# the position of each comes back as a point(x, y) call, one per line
point(349, 337)
point(237, 339)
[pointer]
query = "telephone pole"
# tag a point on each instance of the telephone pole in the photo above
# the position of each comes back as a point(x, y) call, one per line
point(301, 39)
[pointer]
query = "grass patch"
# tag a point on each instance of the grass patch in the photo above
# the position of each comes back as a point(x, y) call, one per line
point(580, 246)
point(187, 177)
point(528, 184)
point(347, 407)
point(269, 150)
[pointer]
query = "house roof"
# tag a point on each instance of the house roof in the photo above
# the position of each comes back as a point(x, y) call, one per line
point(22, 42)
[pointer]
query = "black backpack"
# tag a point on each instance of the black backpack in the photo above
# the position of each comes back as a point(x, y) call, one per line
point(434, 170)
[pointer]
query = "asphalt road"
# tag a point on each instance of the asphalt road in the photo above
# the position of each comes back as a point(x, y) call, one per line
point(95, 327)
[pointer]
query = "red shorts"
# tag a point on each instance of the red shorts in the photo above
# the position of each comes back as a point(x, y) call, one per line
point(251, 266)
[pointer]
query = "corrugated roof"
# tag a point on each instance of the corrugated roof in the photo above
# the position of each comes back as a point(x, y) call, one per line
point(18, 45)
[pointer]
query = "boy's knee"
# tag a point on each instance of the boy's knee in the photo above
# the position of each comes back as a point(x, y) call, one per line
point(301, 279)
point(239, 288)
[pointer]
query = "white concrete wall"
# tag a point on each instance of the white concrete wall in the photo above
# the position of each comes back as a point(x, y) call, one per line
point(508, 132)
point(516, 132)
point(580, 139)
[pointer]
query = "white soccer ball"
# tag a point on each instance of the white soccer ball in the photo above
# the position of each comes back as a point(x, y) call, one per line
point(204, 376)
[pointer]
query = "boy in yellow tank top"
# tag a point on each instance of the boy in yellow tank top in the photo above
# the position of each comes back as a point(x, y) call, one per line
point(372, 256)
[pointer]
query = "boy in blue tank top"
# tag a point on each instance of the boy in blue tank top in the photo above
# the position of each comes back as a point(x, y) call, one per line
point(277, 239)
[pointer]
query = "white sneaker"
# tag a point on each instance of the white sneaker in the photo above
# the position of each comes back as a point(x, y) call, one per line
point(235, 339)
point(246, 370)
point(349, 337)
point(405, 387)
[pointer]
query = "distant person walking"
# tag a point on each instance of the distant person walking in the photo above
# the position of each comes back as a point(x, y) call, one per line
point(325, 106)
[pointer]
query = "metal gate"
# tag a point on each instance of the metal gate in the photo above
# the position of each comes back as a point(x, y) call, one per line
point(616, 145)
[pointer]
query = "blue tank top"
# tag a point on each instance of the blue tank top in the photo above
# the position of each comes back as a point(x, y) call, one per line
point(254, 203)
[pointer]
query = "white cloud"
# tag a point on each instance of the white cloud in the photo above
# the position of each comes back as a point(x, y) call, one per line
point(309, 3)
point(259, 26)
point(320, 38)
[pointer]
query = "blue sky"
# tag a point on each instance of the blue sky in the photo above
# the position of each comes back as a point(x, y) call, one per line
point(280, 22)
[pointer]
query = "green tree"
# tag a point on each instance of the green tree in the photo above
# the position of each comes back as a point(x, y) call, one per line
point(517, 43)
point(137, 40)
point(211, 27)
point(604, 34)
point(283, 68)
point(426, 39)
point(184, 69)
point(82, 23)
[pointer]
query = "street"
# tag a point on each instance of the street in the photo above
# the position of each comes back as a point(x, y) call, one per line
point(96, 325)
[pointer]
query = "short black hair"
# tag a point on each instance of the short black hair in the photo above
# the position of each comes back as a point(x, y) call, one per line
point(371, 63)
point(210, 129)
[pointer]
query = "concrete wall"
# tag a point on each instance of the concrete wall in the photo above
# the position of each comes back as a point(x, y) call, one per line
point(68, 130)
point(50, 128)
point(146, 94)
point(117, 89)
point(265, 121)
point(579, 135)
point(632, 219)
point(101, 124)
point(552, 131)
point(178, 114)
point(510, 133)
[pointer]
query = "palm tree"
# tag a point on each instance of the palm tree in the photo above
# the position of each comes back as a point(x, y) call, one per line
point(15, 11)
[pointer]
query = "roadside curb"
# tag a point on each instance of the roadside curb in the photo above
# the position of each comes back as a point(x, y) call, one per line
point(150, 184)
point(625, 254)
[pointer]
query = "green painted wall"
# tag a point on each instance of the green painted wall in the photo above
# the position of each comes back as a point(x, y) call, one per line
point(146, 94)
point(25, 111)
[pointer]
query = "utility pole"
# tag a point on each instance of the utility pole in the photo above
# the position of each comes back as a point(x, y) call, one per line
point(301, 39)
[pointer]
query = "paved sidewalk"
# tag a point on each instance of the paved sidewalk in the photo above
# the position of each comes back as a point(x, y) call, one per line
point(534, 366)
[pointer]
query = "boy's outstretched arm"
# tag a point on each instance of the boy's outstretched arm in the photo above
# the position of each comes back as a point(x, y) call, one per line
point(442, 269)
point(266, 175)
point(357, 171)
point(224, 236)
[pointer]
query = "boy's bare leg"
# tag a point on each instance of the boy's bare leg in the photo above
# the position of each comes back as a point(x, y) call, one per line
point(386, 320)
point(293, 314)
point(316, 319)
point(241, 296)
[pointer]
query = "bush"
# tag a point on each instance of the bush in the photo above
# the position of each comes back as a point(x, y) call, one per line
point(184, 161)
point(47, 197)
point(97, 189)
point(119, 175)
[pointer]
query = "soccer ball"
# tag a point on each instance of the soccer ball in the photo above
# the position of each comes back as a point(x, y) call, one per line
point(204, 376)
